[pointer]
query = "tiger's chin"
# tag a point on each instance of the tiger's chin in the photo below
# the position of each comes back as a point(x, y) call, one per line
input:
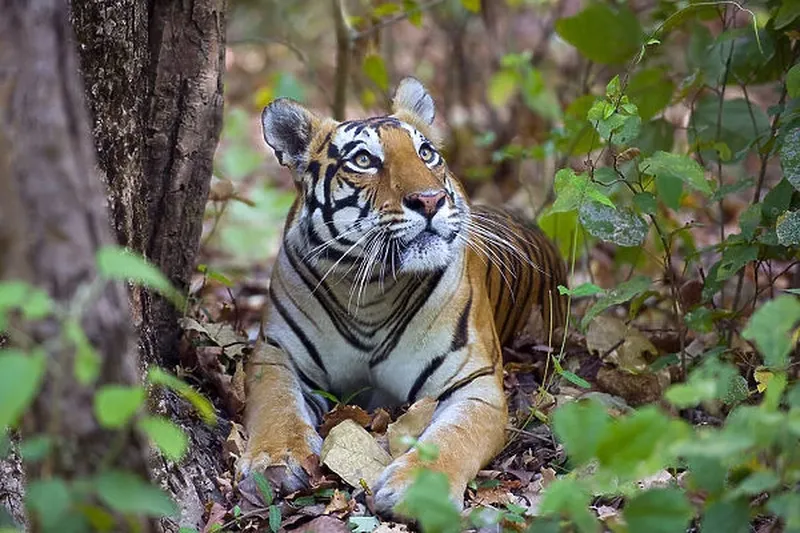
point(429, 252)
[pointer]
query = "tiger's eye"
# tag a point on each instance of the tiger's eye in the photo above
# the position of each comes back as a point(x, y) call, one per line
point(363, 160)
point(426, 153)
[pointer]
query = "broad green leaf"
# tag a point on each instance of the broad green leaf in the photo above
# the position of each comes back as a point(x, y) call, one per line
point(646, 202)
point(20, 377)
point(739, 129)
point(502, 86)
point(776, 202)
point(734, 257)
point(602, 34)
point(731, 188)
point(793, 80)
point(728, 516)
point(362, 524)
point(49, 499)
point(34, 449)
point(629, 442)
point(620, 294)
point(580, 426)
point(620, 226)
point(86, 365)
point(565, 497)
point(124, 492)
point(115, 405)
point(656, 135)
point(205, 409)
point(684, 168)
point(787, 13)
point(618, 125)
point(651, 90)
point(790, 156)
point(788, 228)
point(584, 289)
point(115, 263)
point(572, 190)
point(472, 5)
point(375, 69)
point(749, 221)
point(658, 511)
point(561, 227)
point(770, 328)
point(787, 506)
point(34, 303)
point(707, 473)
point(755, 484)
point(670, 190)
point(691, 393)
point(428, 501)
point(169, 438)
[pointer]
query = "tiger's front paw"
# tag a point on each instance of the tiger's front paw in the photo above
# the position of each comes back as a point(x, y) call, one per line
point(395, 481)
point(285, 473)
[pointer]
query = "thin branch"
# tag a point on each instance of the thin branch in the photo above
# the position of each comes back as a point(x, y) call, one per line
point(343, 42)
point(395, 19)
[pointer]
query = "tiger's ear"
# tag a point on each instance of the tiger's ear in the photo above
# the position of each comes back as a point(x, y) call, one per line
point(412, 98)
point(288, 130)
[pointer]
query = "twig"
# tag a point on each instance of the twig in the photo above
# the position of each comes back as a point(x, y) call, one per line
point(343, 42)
point(395, 19)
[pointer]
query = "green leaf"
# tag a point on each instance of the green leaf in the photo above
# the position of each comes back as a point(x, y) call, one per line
point(738, 128)
point(126, 493)
point(575, 379)
point(677, 166)
point(169, 438)
point(670, 190)
point(580, 426)
point(651, 90)
point(49, 499)
point(565, 497)
point(755, 484)
point(629, 442)
point(86, 365)
point(428, 501)
point(502, 87)
point(115, 263)
point(20, 378)
point(749, 221)
point(691, 393)
point(274, 518)
point(472, 5)
point(375, 69)
point(584, 289)
point(157, 376)
point(658, 511)
point(362, 524)
point(646, 202)
point(656, 135)
point(264, 487)
point(115, 405)
point(787, 506)
point(620, 226)
point(788, 228)
point(620, 294)
point(36, 448)
point(602, 34)
point(770, 328)
point(790, 156)
point(34, 303)
point(734, 257)
point(727, 516)
point(572, 190)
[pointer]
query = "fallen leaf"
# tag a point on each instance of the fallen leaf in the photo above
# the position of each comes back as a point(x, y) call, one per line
point(343, 412)
point(351, 452)
point(619, 344)
point(235, 443)
point(324, 524)
point(216, 517)
point(410, 424)
point(635, 389)
point(238, 396)
point(548, 476)
point(340, 505)
point(493, 496)
point(658, 480)
point(391, 527)
point(380, 420)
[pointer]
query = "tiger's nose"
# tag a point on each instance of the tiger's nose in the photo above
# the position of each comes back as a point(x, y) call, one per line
point(425, 203)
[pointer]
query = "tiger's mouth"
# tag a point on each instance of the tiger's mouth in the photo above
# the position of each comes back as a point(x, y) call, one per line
point(429, 251)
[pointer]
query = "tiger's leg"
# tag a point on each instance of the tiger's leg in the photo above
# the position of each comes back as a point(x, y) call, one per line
point(279, 421)
point(468, 429)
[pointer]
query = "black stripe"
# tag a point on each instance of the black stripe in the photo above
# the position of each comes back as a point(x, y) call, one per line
point(298, 331)
point(461, 334)
point(429, 369)
point(460, 384)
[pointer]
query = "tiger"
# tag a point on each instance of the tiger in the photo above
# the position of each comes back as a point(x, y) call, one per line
point(389, 278)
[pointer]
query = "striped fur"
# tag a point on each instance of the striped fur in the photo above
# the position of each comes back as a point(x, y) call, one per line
point(389, 279)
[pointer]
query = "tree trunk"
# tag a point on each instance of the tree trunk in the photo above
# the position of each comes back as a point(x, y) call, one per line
point(54, 220)
point(153, 74)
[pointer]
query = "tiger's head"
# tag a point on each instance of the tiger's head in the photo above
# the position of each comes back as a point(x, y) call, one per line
point(373, 193)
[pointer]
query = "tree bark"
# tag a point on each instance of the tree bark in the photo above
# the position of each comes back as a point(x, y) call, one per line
point(153, 74)
point(54, 220)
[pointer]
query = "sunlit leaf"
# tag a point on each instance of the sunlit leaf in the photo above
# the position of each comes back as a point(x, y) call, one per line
point(770, 328)
point(157, 376)
point(119, 264)
point(658, 511)
point(126, 493)
point(620, 294)
point(170, 439)
point(115, 405)
point(620, 226)
point(375, 69)
point(677, 166)
point(603, 34)
point(20, 377)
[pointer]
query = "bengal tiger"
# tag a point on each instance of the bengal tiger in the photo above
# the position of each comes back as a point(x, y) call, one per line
point(389, 278)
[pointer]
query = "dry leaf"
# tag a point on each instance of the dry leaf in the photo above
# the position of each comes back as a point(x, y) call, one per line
point(340, 413)
point(216, 517)
point(619, 344)
point(391, 527)
point(410, 424)
point(235, 443)
point(351, 452)
point(238, 396)
point(324, 524)
point(380, 420)
point(658, 480)
point(340, 505)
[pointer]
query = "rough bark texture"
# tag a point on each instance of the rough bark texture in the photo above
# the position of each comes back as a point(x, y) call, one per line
point(153, 75)
point(59, 220)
